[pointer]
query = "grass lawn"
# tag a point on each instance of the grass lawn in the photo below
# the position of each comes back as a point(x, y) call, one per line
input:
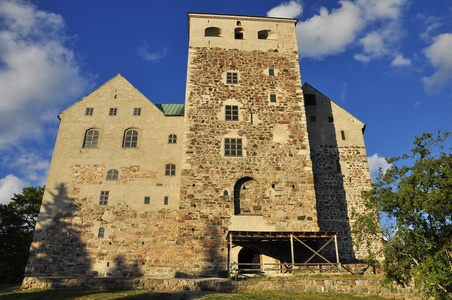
point(182, 295)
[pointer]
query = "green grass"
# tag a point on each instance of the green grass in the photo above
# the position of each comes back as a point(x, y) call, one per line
point(268, 295)
point(147, 294)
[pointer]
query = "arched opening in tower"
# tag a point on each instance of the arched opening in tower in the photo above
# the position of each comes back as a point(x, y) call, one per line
point(237, 187)
point(249, 260)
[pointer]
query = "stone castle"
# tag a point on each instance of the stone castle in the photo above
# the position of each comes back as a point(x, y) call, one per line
point(255, 172)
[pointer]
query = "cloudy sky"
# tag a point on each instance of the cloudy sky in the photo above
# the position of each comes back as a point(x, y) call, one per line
point(388, 62)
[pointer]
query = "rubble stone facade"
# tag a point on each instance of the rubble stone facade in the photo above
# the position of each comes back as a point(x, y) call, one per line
point(143, 190)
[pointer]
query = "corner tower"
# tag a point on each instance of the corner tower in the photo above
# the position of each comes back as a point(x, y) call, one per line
point(246, 157)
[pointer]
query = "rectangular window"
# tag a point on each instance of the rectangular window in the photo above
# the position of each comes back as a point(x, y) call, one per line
point(232, 113)
point(330, 119)
point(165, 200)
point(231, 78)
point(147, 200)
point(113, 111)
point(309, 99)
point(104, 197)
point(343, 135)
point(137, 111)
point(313, 119)
point(271, 72)
point(233, 147)
point(272, 98)
point(89, 111)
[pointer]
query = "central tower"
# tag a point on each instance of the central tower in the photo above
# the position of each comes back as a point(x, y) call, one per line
point(246, 157)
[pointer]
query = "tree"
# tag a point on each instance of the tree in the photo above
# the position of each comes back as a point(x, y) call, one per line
point(17, 222)
point(416, 196)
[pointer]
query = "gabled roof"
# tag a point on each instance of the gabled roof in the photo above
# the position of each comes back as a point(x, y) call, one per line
point(317, 91)
point(172, 109)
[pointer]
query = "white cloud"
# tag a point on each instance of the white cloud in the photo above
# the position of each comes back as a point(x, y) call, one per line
point(439, 54)
point(39, 73)
point(150, 56)
point(10, 185)
point(290, 10)
point(330, 33)
point(426, 34)
point(362, 58)
point(373, 44)
point(381, 9)
point(33, 167)
point(377, 163)
point(400, 61)
point(343, 92)
point(417, 104)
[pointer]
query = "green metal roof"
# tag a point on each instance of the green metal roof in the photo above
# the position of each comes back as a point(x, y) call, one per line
point(172, 109)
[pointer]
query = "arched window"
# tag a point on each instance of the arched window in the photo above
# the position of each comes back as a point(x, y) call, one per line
point(91, 138)
point(213, 31)
point(239, 33)
point(170, 170)
point(225, 193)
point(237, 187)
point(112, 174)
point(266, 35)
point(101, 233)
point(130, 138)
point(172, 139)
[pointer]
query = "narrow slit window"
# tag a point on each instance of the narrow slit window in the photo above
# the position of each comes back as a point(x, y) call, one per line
point(343, 135)
point(165, 200)
point(147, 200)
point(101, 233)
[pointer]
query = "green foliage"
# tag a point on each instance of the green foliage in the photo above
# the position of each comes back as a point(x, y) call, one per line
point(416, 196)
point(17, 222)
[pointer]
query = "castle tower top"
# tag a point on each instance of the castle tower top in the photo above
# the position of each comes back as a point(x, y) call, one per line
point(242, 32)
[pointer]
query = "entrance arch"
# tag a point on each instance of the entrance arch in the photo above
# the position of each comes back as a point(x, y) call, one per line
point(237, 187)
point(252, 257)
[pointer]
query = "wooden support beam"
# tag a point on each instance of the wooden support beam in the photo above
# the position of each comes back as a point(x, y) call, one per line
point(315, 252)
point(291, 251)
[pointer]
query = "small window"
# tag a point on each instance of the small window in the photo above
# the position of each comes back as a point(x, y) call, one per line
point(112, 174)
point(239, 33)
point(233, 147)
point(225, 193)
point(165, 200)
point(239, 23)
point(172, 139)
point(343, 135)
point(137, 111)
point(213, 31)
point(89, 111)
point(101, 233)
point(130, 138)
point(91, 138)
point(271, 72)
point(231, 78)
point(309, 99)
point(147, 200)
point(170, 170)
point(113, 111)
point(272, 98)
point(330, 119)
point(313, 119)
point(104, 197)
point(266, 35)
point(232, 113)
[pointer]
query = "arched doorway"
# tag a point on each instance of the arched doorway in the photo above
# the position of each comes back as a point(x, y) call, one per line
point(252, 257)
point(237, 187)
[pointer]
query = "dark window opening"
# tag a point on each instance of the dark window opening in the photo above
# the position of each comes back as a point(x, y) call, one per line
point(309, 99)
point(330, 119)
point(249, 261)
point(233, 147)
point(170, 170)
point(101, 233)
point(232, 78)
point(239, 23)
point(237, 187)
point(89, 111)
point(165, 200)
point(272, 98)
point(232, 113)
point(343, 135)
point(271, 72)
point(147, 200)
point(213, 31)
point(113, 111)
point(239, 33)
point(137, 111)
point(130, 138)
point(104, 197)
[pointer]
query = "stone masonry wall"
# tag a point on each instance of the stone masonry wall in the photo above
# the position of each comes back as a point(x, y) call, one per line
point(276, 146)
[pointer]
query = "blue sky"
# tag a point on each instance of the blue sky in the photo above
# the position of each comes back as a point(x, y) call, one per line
point(388, 62)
